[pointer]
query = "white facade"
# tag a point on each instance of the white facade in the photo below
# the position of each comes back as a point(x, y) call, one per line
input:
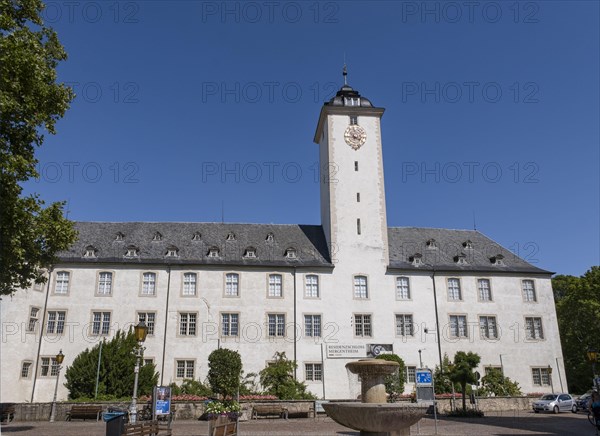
point(366, 289)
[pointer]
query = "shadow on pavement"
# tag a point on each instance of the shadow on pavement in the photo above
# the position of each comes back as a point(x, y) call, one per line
point(17, 428)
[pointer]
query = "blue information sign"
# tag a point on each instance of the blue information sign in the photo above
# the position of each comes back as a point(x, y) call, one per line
point(423, 377)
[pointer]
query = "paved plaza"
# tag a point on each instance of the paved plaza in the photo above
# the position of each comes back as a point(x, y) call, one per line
point(501, 424)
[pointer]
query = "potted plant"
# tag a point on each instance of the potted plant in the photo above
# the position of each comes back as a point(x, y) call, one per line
point(222, 412)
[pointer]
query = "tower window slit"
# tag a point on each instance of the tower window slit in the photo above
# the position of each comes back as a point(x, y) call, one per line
point(358, 226)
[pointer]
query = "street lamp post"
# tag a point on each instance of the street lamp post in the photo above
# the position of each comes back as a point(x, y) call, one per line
point(59, 360)
point(420, 360)
point(550, 377)
point(592, 356)
point(140, 331)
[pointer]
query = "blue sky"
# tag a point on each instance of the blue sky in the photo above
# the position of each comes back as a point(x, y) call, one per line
point(187, 109)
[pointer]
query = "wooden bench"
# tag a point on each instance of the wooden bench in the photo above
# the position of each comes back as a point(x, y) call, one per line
point(84, 412)
point(269, 409)
point(147, 428)
point(7, 412)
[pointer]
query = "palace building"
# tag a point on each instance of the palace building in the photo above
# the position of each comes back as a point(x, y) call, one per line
point(349, 288)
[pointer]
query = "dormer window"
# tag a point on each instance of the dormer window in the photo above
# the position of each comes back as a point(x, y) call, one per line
point(497, 260)
point(270, 237)
point(172, 252)
point(231, 236)
point(291, 253)
point(461, 259)
point(119, 236)
point(196, 236)
point(157, 236)
point(213, 252)
point(351, 101)
point(431, 244)
point(468, 245)
point(132, 251)
point(250, 253)
point(90, 252)
point(353, 120)
point(416, 259)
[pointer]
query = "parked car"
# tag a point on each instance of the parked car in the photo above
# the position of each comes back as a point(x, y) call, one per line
point(555, 403)
point(582, 401)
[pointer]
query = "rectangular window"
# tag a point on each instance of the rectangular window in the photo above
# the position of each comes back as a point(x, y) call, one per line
point(276, 324)
point(358, 226)
point(454, 289)
point(360, 287)
point(26, 369)
point(100, 323)
point(312, 325)
point(187, 324)
point(312, 286)
point(404, 325)
point(185, 369)
point(485, 293)
point(149, 284)
point(48, 367)
point(353, 120)
point(62, 282)
point(148, 361)
point(362, 325)
point(313, 371)
point(528, 290)
point(229, 324)
point(488, 369)
point(34, 313)
point(232, 282)
point(148, 318)
point(275, 286)
point(540, 376)
point(56, 321)
point(411, 374)
point(487, 327)
point(458, 326)
point(533, 328)
point(189, 284)
point(402, 288)
point(105, 283)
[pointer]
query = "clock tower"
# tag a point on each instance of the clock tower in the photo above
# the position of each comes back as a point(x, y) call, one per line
point(353, 213)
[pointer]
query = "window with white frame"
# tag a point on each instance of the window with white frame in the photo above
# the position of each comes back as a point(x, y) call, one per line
point(411, 372)
point(458, 326)
point(276, 324)
point(313, 371)
point(488, 327)
point(230, 324)
point(187, 324)
point(275, 285)
point(404, 324)
point(105, 280)
point(148, 318)
point(232, 285)
point(48, 366)
point(56, 321)
point(360, 287)
point(362, 325)
point(26, 369)
point(34, 314)
point(312, 325)
point(541, 376)
point(402, 288)
point(454, 289)
point(189, 284)
point(149, 283)
point(62, 282)
point(485, 292)
point(148, 361)
point(528, 290)
point(533, 328)
point(185, 369)
point(100, 323)
point(312, 286)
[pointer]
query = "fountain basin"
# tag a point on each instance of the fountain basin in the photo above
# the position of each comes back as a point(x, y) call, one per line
point(386, 418)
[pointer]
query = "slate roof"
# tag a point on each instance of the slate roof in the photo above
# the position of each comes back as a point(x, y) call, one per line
point(152, 241)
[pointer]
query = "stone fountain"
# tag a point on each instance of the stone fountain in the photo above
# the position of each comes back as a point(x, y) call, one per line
point(374, 416)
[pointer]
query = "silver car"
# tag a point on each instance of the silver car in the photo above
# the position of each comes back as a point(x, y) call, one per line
point(555, 403)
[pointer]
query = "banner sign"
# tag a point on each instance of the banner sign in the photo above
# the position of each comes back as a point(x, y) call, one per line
point(377, 349)
point(161, 400)
point(340, 351)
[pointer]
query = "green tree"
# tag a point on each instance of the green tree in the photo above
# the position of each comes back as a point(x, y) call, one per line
point(116, 371)
point(191, 387)
point(31, 102)
point(461, 372)
point(578, 314)
point(224, 372)
point(495, 383)
point(278, 379)
point(394, 383)
point(441, 377)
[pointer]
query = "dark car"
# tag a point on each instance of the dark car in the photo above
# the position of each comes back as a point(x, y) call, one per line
point(555, 403)
point(583, 401)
